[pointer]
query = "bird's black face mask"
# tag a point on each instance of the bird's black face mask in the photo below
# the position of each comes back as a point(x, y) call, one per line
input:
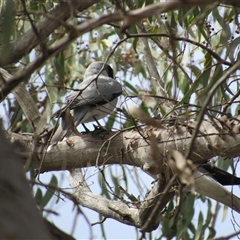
point(109, 70)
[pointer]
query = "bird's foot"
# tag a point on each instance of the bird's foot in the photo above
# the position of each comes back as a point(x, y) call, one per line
point(86, 129)
point(99, 130)
point(86, 132)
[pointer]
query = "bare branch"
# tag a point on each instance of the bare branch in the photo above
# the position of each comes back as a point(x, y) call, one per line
point(28, 106)
point(45, 27)
point(125, 213)
point(216, 138)
point(232, 69)
point(128, 19)
point(154, 203)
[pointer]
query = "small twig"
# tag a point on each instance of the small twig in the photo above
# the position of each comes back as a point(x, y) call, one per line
point(211, 52)
point(129, 18)
point(229, 236)
point(41, 43)
point(160, 199)
point(231, 101)
point(177, 210)
point(215, 215)
point(99, 222)
point(206, 102)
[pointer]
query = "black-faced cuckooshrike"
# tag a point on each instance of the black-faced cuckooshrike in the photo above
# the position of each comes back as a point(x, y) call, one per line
point(93, 99)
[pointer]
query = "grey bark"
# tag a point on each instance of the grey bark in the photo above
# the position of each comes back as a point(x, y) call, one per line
point(20, 218)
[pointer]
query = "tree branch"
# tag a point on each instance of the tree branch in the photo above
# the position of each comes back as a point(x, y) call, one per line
point(20, 217)
point(221, 80)
point(28, 106)
point(45, 27)
point(123, 212)
point(156, 200)
point(216, 137)
point(128, 19)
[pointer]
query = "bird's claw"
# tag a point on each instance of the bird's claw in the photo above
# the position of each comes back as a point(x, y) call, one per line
point(99, 130)
point(87, 131)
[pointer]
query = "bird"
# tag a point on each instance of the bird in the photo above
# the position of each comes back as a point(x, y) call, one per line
point(210, 181)
point(93, 99)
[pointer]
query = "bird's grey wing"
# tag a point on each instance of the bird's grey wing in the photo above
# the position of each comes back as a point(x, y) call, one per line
point(90, 94)
point(94, 93)
point(206, 185)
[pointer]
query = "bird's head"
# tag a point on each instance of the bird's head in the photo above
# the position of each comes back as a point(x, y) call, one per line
point(95, 67)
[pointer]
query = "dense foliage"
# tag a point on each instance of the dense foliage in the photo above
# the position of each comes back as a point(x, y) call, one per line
point(175, 57)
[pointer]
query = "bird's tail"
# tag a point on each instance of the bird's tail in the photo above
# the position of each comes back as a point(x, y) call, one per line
point(207, 186)
point(64, 129)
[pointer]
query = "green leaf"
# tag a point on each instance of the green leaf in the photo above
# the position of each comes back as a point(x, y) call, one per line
point(125, 177)
point(111, 120)
point(59, 63)
point(191, 227)
point(34, 5)
point(199, 232)
point(119, 32)
point(218, 72)
point(131, 87)
point(133, 29)
point(209, 82)
point(7, 19)
point(50, 191)
point(218, 17)
point(135, 41)
point(207, 70)
point(225, 34)
point(187, 208)
point(231, 49)
point(116, 186)
point(173, 22)
point(225, 213)
point(104, 236)
point(103, 185)
point(196, 70)
point(212, 233)
point(189, 93)
point(202, 33)
point(38, 197)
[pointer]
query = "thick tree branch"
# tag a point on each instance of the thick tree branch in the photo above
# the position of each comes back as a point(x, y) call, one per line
point(128, 19)
point(123, 212)
point(215, 138)
point(28, 106)
point(145, 215)
point(64, 10)
point(155, 202)
point(45, 27)
point(20, 218)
